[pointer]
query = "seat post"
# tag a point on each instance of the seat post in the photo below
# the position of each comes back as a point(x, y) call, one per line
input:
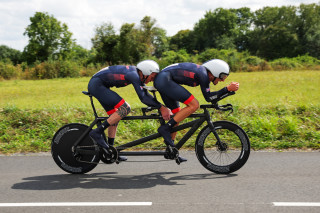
point(94, 109)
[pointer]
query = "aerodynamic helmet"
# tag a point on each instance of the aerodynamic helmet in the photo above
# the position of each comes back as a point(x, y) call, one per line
point(218, 68)
point(148, 66)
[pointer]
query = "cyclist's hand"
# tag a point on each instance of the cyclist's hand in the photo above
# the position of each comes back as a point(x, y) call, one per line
point(166, 113)
point(233, 86)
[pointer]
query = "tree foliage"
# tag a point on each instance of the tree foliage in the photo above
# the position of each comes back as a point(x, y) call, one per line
point(7, 53)
point(268, 33)
point(48, 39)
point(104, 42)
point(133, 43)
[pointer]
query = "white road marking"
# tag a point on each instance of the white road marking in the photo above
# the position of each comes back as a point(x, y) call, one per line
point(311, 204)
point(77, 204)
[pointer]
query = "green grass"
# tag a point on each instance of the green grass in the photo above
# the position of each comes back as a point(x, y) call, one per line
point(260, 89)
point(278, 110)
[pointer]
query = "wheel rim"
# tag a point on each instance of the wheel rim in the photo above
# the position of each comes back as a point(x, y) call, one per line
point(225, 154)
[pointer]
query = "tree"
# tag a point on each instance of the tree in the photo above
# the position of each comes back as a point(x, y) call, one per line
point(147, 33)
point(154, 38)
point(82, 55)
point(48, 38)
point(105, 41)
point(160, 42)
point(171, 57)
point(309, 29)
point(275, 34)
point(182, 40)
point(277, 42)
point(313, 41)
point(9, 53)
point(222, 28)
point(129, 49)
point(243, 27)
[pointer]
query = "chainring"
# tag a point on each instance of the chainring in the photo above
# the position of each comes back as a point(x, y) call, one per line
point(110, 157)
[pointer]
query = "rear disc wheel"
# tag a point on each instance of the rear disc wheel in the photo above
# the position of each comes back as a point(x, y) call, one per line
point(64, 155)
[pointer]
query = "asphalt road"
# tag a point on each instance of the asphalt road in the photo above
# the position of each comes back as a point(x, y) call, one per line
point(152, 184)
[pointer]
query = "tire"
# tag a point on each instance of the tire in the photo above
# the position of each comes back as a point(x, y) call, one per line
point(61, 149)
point(227, 161)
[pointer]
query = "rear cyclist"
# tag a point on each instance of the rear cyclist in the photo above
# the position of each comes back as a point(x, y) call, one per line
point(168, 83)
point(121, 76)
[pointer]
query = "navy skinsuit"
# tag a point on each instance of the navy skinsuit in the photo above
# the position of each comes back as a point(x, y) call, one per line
point(169, 79)
point(118, 76)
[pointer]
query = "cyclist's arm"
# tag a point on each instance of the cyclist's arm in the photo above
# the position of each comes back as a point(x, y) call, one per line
point(145, 97)
point(211, 96)
point(143, 94)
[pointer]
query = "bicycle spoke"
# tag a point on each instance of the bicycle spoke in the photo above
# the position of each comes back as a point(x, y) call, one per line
point(228, 154)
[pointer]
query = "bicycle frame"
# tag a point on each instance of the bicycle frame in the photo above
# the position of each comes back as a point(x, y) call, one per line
point(195, 124)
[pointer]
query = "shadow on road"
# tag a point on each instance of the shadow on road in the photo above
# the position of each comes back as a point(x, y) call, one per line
point(109, 180)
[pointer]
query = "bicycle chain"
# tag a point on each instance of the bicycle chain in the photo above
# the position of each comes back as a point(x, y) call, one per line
point(105, 158)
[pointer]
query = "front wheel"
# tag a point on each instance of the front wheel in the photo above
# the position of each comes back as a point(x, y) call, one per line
point(64, 155)
point(231, 155)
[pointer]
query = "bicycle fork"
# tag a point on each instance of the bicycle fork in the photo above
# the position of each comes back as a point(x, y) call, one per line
point(219, 143)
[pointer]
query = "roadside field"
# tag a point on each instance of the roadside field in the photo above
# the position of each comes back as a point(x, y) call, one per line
point(257, 89)
point(278, 110)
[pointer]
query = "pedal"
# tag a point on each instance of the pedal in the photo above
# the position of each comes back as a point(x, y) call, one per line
point(178, 161)
point(172, 153)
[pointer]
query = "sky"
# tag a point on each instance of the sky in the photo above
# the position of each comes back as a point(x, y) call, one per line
point(83, 16)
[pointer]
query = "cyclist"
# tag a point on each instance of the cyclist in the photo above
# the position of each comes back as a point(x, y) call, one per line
point(115, 106)
point(168, 83)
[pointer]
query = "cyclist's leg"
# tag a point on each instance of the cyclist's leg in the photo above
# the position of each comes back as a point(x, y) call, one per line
point(191, 107)
point(171, 93)
point(174, 106)
point(111, 102)
point(112, 130)
point(114, 119)
point(184, 113)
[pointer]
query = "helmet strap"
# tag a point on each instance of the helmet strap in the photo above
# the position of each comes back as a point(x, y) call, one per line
point(144, 78)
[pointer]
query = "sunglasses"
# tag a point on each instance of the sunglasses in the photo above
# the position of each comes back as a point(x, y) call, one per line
point(223, 76)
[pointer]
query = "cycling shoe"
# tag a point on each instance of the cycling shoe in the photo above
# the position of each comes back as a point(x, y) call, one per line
point(164, 131)
point(182, 159)
point(122, 158)
point(97, 137)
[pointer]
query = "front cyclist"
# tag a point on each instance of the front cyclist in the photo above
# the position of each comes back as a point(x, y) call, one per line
point(168, 83)
point(121, 76)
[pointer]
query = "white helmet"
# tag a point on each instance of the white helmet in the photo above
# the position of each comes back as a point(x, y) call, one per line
point(218, 68)
point(148, 66)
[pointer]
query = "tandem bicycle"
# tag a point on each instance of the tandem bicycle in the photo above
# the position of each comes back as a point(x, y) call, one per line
point(221, 147)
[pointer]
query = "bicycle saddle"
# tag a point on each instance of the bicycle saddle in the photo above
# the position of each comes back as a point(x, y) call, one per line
point(86, 93)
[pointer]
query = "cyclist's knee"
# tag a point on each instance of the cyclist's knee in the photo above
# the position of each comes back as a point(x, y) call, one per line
point(124, 110)
point(194, 105)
